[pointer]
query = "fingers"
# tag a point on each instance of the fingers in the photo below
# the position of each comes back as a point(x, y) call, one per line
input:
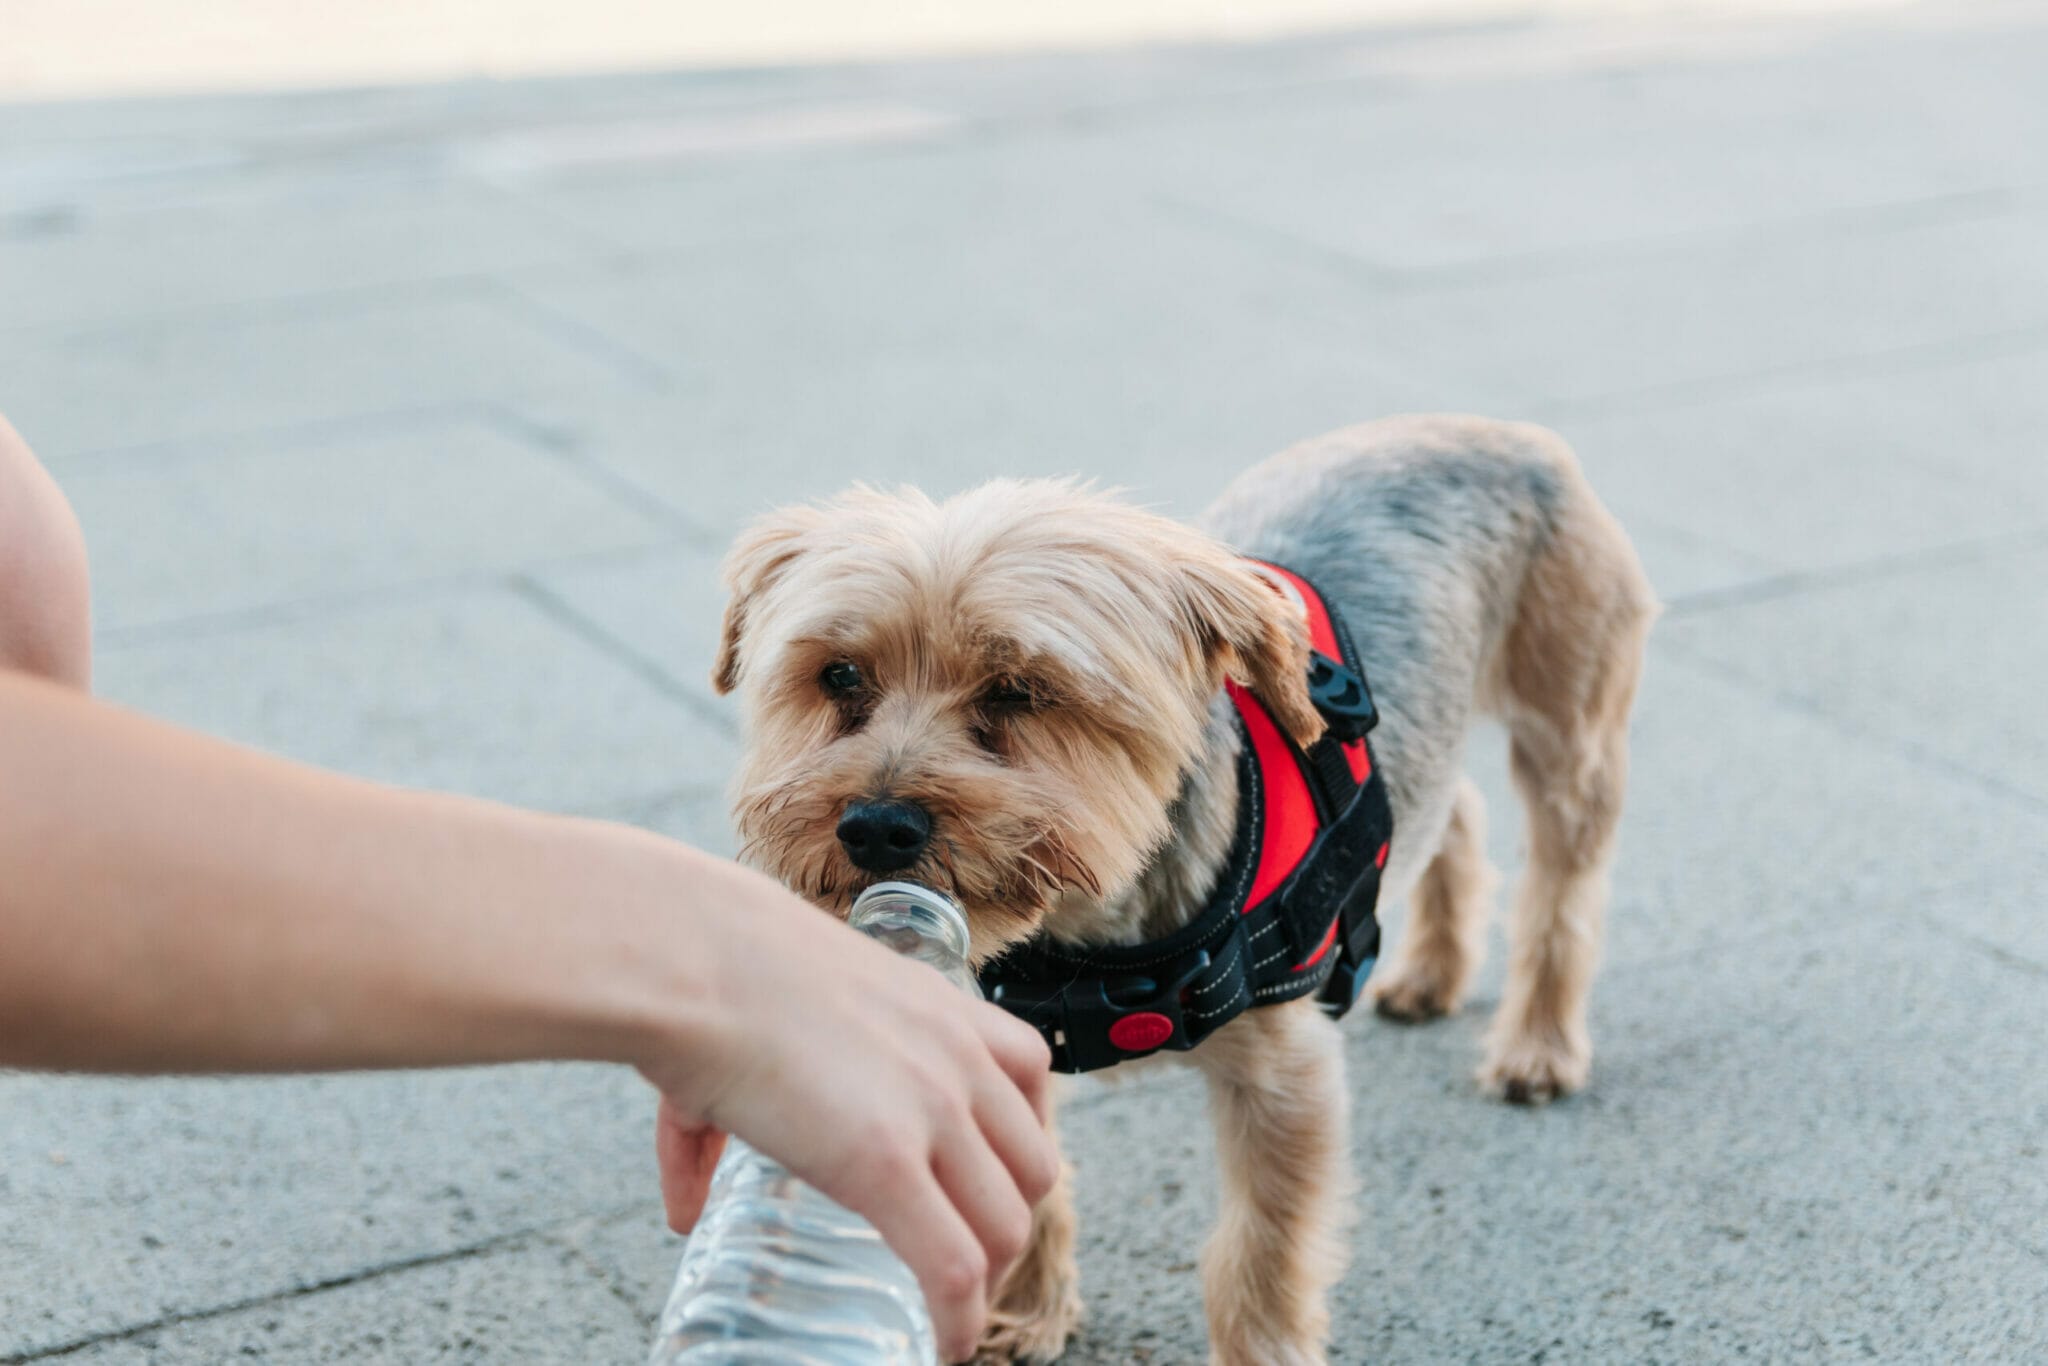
point(1021, 1053)
point(687, 1155)
point(976, 1180)
point(918, 1219)
point(1016, 1130)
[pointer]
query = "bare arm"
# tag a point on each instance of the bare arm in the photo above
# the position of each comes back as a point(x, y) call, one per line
point(173, 903)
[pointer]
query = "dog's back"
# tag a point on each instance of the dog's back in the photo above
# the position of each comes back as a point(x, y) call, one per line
point(1479, 571)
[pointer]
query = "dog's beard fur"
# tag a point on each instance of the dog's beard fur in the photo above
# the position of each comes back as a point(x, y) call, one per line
point(1037, 662)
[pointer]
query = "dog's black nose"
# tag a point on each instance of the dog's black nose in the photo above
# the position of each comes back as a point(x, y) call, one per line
point(884, 837)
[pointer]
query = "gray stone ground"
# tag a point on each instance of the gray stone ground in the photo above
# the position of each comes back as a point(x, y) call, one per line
point(407, 426)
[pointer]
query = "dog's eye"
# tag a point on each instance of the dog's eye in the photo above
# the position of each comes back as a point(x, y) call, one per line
point(1010, 694)
point(841, 677)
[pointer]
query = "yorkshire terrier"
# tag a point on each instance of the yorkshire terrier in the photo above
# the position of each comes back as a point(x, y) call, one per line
point(1016, 696)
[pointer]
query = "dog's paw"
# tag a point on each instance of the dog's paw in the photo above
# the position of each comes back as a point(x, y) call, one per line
point(1412, 996)
point(1533, 1071)
point(1268, 1353)
point(1010, 1339)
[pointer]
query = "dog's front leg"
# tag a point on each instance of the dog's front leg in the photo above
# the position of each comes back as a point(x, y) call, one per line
point(1039, 1303)
point(1276, 1094)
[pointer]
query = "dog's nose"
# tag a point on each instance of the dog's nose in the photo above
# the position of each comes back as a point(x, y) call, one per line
point(884, 837)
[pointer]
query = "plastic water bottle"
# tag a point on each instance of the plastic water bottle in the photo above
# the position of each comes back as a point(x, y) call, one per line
point(777, 1275)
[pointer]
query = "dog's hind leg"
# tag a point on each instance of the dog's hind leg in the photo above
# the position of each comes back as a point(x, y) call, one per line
point(1568, 672)
point(1444, 940)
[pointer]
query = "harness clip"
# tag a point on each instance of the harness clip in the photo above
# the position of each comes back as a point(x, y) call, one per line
point(1341, 696)
point(1103, 1020)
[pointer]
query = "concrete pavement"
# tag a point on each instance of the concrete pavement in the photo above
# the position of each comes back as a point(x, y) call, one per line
point(406, 426)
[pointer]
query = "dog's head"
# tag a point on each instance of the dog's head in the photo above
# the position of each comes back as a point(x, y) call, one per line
point(996, 695)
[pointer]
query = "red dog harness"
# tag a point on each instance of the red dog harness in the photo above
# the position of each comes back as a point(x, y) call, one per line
point(1293, 910)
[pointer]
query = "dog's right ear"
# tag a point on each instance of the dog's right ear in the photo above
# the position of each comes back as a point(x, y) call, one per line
point(762, 552)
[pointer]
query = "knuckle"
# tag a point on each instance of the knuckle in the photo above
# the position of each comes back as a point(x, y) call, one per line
point(1012, 1238)
point(1041, 1174)
point(1024, 1045)
point(962, 1275)
point(890, 1162)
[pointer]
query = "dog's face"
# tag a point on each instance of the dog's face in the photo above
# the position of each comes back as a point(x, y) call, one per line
point(996, 695)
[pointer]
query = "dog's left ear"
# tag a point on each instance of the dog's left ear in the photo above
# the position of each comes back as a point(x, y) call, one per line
point(762, 552)
point(1257, 637)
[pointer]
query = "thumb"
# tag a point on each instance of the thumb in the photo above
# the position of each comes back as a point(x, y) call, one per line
point(687, 1153)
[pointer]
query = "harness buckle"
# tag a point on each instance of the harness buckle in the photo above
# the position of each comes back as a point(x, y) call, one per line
point(1097, 1021)
point(1341, 696)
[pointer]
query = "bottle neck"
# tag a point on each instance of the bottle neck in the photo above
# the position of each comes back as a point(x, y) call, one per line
point(917, 923)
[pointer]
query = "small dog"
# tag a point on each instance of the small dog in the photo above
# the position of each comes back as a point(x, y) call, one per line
point(1015, 696)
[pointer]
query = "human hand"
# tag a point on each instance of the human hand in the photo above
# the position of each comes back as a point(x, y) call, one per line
point(874, 1080)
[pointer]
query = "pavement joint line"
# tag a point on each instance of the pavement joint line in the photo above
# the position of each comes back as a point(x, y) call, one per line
point(467, 1251)
point(1998, 953)
point(332, 301)
point(565, 615)
point(582, 337)
point(1912, 751)
point(567, 449)
point(593, 244)
point(1792, 583)
point(1983, 204)
point(1650, 524)
point(1355, 268)
point(1884, 218)
point(1734, 386)
point(603, 1275)
point(314, 431)
point(292, 611)
point(86, 202)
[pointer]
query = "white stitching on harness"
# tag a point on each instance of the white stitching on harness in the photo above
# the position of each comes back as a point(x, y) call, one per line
point(1221, 968)
point(1223, 1009)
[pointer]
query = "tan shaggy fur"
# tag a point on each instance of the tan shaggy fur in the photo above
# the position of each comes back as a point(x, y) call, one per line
point(1037, 667)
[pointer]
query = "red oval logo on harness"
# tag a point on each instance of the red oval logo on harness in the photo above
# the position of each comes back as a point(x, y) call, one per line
point(1138, 1032)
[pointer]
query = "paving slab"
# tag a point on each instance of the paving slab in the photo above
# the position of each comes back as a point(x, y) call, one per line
point(331, 514)
point(525, 1304)
point(476, 691)
point(131, 1201)
point(1641, 332)
point(287, 363)
point(1748, 818)
point(1829, 475)
point(1946, 661)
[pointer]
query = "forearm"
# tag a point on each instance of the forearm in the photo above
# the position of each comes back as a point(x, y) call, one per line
point(174, 903)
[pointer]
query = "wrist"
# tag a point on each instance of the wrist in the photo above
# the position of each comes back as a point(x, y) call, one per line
point(676, 1006)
